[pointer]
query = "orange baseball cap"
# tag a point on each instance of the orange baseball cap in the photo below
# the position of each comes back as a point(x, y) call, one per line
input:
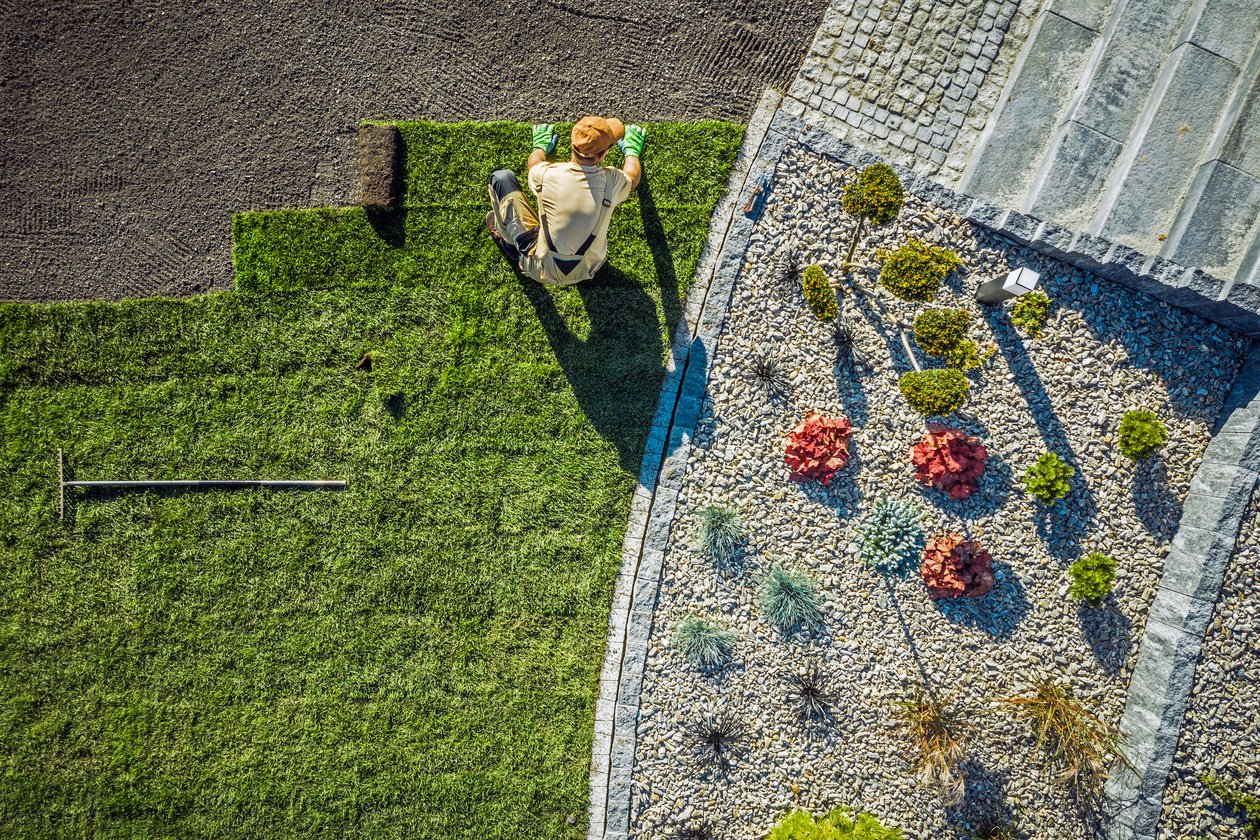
point(592, 136)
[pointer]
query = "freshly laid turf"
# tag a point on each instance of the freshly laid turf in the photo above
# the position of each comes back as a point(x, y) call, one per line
point(416, 656)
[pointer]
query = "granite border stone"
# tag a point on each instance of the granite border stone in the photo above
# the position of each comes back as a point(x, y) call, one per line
point(1159, 689)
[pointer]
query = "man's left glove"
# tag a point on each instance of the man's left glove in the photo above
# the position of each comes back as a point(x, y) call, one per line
point(633, 142)
point(545, 137)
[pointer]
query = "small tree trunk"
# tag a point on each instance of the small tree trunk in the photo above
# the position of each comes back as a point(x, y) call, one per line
point(857, 234)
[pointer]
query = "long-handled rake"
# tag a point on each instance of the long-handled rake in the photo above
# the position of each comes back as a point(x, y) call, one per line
point(221, 484)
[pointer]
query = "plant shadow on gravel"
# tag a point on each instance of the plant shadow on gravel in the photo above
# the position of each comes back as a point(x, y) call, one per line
point(1063, 525)
point(997, 613)
point(1109, 633)
point(984, 804)
point(1157, 508)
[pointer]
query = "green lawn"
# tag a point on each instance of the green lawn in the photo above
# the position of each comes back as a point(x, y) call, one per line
point(416, 656)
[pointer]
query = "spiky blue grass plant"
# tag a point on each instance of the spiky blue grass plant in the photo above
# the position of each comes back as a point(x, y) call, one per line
point(722, 532)
point(706, 644)
point(891, 537)
point(790, 599)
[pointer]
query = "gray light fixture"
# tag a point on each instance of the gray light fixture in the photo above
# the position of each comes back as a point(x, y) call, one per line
point(1021, 281)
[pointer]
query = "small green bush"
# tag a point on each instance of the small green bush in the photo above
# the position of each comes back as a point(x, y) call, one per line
point(819, 294)
point(935, 393)
point(1049, 479)
point(875, 195)
point(1030, 312)
point(891, 538)
point(1141, 434)
point(1245, 805)
point(790, 599)
point(704, 643)
point(915, 270)
point(840, 824)
point(943, 333)
point(721, 532)
point(1092, 578)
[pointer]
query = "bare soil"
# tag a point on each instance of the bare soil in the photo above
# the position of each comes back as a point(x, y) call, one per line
point(135, 128)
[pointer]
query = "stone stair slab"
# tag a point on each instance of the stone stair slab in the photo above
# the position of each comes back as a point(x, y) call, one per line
point(1040, 94)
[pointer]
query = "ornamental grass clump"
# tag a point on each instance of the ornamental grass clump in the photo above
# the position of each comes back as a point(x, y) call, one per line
point(949, 460)
point(819, 295)
point(1030, 312)
point(890, 538)
point(705, 644)
point(791, 599)
point(818, 448)
point(722, 532)
point(943, 333)
point(840, 824)
point(808, 695)
point(1050, 479)
point(715, 742)
point(1093, 577)
point(876, 196)
point(936, 392)
point(767, 374)
point(916, 269)
point(1141, 435)
point(934, 732)
point(955, 567)
point(1077, 744)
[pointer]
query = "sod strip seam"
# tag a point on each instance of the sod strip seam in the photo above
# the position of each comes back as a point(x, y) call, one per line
point(661, 472)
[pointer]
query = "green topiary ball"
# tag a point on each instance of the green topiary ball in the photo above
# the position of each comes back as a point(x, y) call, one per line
point(915, 270)
point(1141, 434)
point(935, 393)
point(1049, 479)
point(875, 194)
point(1093, 576)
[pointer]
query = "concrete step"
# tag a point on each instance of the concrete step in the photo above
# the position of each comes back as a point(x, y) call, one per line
point(1126, 72)
point(1155, 170)
point(1037, 96)
point(1217, 225)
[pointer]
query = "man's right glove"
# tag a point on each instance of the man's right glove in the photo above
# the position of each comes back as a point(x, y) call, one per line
point(633, 142)
point(545, 137)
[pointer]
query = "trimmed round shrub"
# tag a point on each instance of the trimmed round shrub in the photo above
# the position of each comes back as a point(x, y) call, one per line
point(790, 599)
point(875, 195)
point(818, 447)
point(943, 333)
point(935, 392)
point(890, 537)
point(1030, 312)
point(1093, 577)
point(949, 460)
point(721, 532)
point(840, 824)
point(915, 270)
point(1050, 479)
point(705, 644)
point(954, 567)
point(819, 294)
point(1141, 434)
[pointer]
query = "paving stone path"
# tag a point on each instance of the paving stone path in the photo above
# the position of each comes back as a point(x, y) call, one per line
point(912, 81)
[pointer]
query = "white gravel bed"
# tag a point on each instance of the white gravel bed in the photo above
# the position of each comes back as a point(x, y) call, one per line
point(1222, 731)
point(1105, 351)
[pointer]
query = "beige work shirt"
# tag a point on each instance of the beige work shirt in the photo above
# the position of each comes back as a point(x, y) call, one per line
point(571, 198)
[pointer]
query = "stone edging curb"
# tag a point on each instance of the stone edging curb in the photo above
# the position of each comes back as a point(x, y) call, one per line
point(664, 460)
point(1163, 677)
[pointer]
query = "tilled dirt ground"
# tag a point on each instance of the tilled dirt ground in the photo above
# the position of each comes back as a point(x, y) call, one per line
point(135, 128)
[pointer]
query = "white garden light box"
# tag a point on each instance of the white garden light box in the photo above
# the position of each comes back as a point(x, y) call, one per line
point(1021, 281)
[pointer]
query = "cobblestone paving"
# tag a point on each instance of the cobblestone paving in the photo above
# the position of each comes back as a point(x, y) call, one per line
point(913, 81)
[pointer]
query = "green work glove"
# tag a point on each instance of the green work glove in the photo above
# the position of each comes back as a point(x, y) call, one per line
point(633, 142)
point(545, 137)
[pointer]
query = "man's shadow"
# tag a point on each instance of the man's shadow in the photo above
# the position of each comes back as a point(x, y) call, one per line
point(616, 370)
